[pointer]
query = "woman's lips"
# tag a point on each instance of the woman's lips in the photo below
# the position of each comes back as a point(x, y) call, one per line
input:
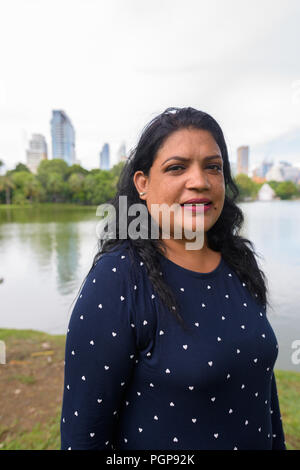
point(197, 208)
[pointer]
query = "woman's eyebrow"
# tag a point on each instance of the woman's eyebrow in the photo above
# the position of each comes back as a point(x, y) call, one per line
point(184, 159)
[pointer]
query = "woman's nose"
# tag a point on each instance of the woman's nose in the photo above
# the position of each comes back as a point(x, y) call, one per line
point(197, 178)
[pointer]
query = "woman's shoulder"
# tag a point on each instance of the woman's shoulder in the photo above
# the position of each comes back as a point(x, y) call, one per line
point(119, 265)
point(119, 256)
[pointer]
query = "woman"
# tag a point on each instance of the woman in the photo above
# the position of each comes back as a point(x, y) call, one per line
point(169, 347)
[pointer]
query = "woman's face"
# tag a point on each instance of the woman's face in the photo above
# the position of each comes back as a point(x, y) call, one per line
point(187, 166)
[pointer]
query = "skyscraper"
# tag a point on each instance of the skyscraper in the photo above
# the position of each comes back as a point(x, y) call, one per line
point(242, 160)
point(122, 153)
point(265, 167)
point(63, 137)
point(37, 152)
point(105, 157)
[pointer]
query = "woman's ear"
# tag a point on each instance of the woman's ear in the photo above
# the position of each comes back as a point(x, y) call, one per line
point(141, 182)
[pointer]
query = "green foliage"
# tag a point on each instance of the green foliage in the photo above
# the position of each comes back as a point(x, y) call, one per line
point(21, 167)
point(274, 184)
point(27, 187)
point(99, 187)
point(286, 190)
point(76, 169)
point(6, 186)
point(76, 187)
point(55, 181)
point(116, 170)
point(247, 187)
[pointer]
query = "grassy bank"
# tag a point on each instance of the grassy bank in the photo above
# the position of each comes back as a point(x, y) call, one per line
point(31, 384)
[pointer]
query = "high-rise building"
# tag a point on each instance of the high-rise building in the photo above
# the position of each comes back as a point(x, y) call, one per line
point(105, 157)
point(37, 152)
point(265, 167)
point(291, 173)
point(283, 171)
point(63, 137)
point(242, 160)
point(259, 173)
point(122, 153)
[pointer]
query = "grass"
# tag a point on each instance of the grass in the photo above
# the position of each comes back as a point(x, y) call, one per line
point(9, 336)
point(288, 387)
point(45, 434)
point(24, 379)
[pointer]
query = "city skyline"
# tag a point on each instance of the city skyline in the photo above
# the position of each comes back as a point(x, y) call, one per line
point(63, 146)
point(37, 150)
point(112, 85)
point(263, 151)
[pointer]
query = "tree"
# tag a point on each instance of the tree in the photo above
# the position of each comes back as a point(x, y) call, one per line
point(6, 184)
point(286, 190)
point(22, 167)
point(274, 184)
point(247, 187)
point(99, 187)
point(117, 169)
point(76, 169)
point(57, 165)
point(55, 186)
point(76, 187)
point(52, 174)
point(27, 187)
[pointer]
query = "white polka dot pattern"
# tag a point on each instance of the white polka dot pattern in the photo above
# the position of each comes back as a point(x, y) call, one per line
point(135, 379)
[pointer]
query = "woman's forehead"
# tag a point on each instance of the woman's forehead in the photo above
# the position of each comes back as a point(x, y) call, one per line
point(188, 143)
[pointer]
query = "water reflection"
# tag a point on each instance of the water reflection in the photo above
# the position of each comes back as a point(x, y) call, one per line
point(67, 244)
point(43, 260)
point(274, 227)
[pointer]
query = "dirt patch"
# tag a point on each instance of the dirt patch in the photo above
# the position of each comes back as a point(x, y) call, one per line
point(31, 384)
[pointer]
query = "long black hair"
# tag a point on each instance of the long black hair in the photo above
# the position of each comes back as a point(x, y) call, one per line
point(238, 252)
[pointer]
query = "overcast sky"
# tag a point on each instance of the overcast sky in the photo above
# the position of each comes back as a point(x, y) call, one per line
point(112, 65)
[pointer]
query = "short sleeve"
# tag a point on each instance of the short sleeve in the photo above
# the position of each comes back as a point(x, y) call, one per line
point(100, 356)
point(278, 439)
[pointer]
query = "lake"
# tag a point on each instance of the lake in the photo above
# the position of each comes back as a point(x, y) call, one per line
point(46, 252)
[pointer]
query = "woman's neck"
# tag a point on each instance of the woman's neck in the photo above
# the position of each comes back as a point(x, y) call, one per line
point(202, 260)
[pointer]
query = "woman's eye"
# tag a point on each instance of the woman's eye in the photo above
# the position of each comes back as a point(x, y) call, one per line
point(174, 167)
point(217, 167)
point(214, 167)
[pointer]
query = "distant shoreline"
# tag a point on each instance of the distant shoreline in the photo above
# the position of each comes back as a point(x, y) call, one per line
point(66, 205)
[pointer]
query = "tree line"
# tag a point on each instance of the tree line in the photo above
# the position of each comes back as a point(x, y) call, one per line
point(57, 182)
point(249, 189)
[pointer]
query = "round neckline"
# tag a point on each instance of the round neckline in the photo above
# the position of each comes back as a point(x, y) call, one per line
point(189, 272)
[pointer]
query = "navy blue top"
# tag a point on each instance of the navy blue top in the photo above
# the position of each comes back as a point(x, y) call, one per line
point(134, 379)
